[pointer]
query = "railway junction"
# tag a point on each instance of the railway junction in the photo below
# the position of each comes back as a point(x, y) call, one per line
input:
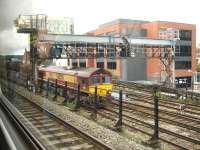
point(61, 110)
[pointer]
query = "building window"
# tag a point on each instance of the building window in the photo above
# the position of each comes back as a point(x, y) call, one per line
point(72, 29)
point(110, 51)
point(168, 33)
point(82, 64)
point(183, 65)
point(185, 50)
point(100, 64)
point(198, 76)
point(82, 52)
point(100, 52)
point(111, 65)
point(74, 53)
point(55, 52)
point(74, 64)
point(185, 35)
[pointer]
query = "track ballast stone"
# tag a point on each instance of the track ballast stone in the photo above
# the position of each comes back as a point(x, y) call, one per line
point(111, 138)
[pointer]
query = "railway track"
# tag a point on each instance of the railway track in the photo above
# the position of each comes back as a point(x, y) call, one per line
point(180, 120)
point(51, 131)
point(171, 108)
point(170, 102)
point(167, 136)
point(135, 122)
point(140, 90)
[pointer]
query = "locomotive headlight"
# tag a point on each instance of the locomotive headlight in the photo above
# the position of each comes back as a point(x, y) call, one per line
point(109, 92)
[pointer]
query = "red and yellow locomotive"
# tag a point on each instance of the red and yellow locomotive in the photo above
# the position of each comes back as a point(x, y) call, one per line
point(87, 78)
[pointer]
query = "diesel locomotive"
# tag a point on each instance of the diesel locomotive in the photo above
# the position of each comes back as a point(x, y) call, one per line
point(87, 78)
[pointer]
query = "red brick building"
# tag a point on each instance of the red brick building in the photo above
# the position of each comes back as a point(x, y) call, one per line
point(185, 57)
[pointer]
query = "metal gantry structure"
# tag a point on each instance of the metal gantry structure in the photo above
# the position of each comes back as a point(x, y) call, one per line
point(92, 47)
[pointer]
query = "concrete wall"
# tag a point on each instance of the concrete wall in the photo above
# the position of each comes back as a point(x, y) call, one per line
point(133, 69)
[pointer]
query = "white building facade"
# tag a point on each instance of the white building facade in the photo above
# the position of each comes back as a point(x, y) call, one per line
point(60, 25)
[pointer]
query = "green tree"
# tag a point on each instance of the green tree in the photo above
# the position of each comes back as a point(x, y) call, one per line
point(198, 67)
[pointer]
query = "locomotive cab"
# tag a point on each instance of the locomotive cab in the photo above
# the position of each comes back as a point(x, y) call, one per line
point(102, 80)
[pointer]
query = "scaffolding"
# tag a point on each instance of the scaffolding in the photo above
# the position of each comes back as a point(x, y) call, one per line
point(31, 23)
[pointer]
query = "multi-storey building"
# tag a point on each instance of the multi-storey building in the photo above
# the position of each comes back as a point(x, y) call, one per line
point(151, 68)
point(197, 80)
point(60, 25)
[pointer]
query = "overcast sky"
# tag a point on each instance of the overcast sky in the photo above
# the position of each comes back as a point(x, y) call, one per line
point(88, 14)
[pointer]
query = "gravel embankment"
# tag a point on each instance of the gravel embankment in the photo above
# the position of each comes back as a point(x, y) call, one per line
point(111, 138)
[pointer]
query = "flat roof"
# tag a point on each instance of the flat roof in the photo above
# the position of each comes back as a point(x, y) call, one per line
point(82, 72)
point(120, 20)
